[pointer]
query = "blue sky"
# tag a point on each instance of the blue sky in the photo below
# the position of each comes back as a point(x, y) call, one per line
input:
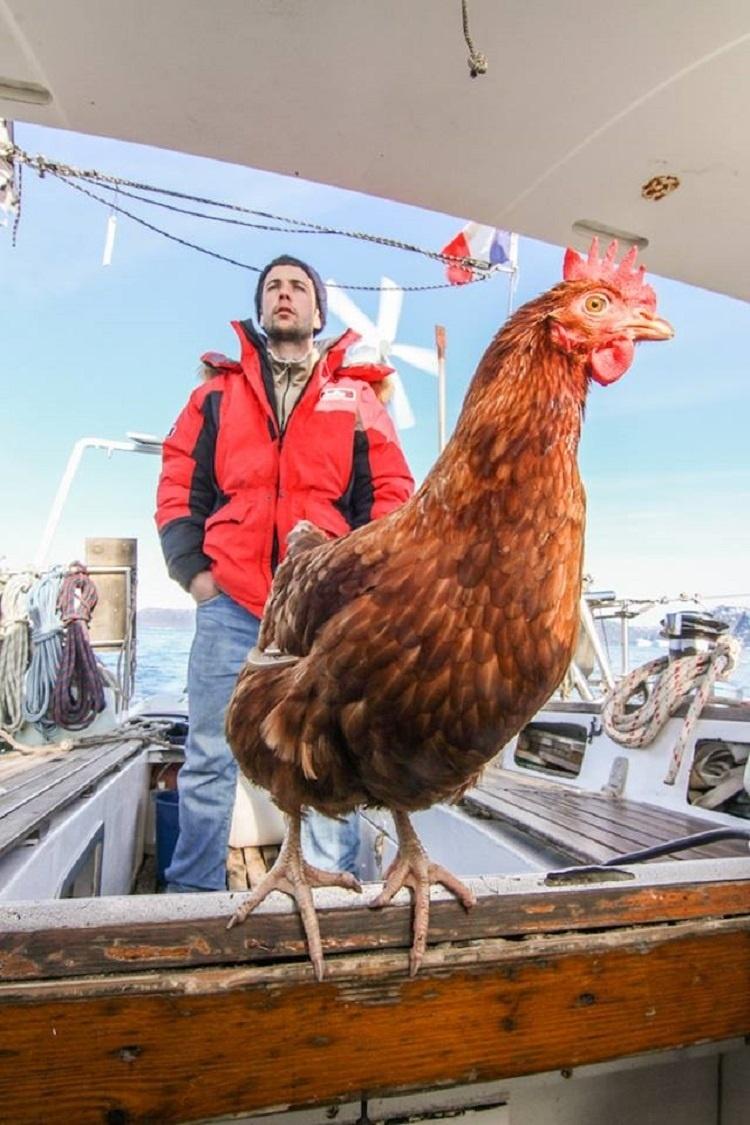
point(95, 351)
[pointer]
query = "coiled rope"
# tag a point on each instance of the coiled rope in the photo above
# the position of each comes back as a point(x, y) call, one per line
point(675, 679)
point(46, 649)
point(79, 693)
point(14, 650)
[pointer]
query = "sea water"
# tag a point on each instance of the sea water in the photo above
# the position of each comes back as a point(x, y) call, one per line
point(162, 661)
point(163, 655)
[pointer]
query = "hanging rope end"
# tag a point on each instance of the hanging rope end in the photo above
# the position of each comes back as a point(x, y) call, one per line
point(477, 65)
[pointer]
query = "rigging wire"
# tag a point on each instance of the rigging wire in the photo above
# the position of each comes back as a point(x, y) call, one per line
point(69, 174)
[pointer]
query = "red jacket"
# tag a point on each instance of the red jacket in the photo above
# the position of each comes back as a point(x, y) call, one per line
point(232, 487)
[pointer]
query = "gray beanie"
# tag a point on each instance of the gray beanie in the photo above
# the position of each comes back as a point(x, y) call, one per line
point(320, 290)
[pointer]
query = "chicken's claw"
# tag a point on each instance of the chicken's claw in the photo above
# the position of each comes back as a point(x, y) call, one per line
point(413, 868)
point(292, 875)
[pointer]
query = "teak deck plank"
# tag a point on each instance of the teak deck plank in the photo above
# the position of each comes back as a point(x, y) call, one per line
point(587, 822)
point(592, 827)
point(41, 792)
point(622, 824)
point(193, 1044)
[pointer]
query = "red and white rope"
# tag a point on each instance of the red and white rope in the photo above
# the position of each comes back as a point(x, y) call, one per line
point(674, 680)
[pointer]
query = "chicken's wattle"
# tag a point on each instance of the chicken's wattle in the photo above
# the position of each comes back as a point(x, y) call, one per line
point(612, 360)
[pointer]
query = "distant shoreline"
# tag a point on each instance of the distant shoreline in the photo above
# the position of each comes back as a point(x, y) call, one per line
point(163, 618)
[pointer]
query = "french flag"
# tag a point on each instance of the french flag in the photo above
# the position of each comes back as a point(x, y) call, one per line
point(484, 244)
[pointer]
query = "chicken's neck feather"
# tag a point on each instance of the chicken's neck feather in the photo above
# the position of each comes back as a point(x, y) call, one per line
point(521, 420)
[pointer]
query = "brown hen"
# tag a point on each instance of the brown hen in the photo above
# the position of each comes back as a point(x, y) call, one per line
point(427, 639)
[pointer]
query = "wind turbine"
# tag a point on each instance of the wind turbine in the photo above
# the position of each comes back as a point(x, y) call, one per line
point(379, 340)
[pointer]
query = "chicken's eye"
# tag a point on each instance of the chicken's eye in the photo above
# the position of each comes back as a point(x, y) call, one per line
point(595, 303)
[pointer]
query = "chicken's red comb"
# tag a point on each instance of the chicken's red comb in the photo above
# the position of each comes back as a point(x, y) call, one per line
point(624, 277)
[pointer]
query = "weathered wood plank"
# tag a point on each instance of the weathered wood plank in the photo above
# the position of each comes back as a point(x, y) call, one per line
point(625, 815)
point(539, 825)
point(590, 827)
point(625, 826)
point(28, 806)
point(583, 823)
point(32, 947)
point(211, 1042)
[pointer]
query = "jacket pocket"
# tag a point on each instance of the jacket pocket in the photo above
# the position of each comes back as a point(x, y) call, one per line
point(234, 511)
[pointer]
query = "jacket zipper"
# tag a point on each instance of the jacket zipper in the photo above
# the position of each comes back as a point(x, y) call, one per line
point(275, 542)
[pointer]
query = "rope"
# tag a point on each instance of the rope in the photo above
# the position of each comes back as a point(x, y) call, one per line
point(46, 649)
point(14, 650)
point(674, 680)
point(477, 61)
point(151, 731)
point(78, 695)
point(481, 270)
point(19, 197)
point(67, 174)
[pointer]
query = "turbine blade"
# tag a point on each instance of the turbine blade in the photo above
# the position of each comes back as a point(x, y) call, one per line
point(341, 304)
point(389, 309)
point(403, 415)
point(423, 358)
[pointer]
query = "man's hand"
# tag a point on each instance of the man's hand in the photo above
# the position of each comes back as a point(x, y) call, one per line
point(203, 587)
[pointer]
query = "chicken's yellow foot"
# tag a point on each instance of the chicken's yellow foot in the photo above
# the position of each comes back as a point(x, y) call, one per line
point(292, 875)
point(413, 868)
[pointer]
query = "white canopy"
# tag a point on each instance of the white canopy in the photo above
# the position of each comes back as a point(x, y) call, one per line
point(581, 106)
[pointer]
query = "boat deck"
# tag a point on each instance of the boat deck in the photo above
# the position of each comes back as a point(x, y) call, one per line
point(35, 786)
point(590, 827)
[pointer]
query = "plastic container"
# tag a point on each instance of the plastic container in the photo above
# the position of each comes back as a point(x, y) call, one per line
point(167, 827)
point(256, 822)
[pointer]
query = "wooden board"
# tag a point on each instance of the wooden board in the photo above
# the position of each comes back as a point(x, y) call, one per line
point(68, 939)
point(185, 1045)
point(591, 827)
point(37, 794)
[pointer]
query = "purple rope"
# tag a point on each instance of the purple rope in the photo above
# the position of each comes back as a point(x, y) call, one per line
point(79, 693)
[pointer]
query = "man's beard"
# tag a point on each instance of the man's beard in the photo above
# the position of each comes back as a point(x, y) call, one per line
point(288, 334)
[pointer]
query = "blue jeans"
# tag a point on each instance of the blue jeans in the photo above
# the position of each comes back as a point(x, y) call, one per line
point(224, 634)
point(332, 845)
point(207, 783)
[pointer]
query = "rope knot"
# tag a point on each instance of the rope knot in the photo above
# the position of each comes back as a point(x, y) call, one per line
point(477, 64)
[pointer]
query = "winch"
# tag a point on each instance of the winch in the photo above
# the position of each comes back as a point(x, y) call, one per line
point(690, 632)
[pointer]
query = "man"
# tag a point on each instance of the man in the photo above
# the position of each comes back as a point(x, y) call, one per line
point(292, 431)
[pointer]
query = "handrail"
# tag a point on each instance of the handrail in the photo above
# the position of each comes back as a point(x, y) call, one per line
point(135, 443)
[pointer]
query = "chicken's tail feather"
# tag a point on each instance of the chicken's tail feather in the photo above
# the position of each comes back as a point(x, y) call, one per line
point(289, 730)
point(274, 709)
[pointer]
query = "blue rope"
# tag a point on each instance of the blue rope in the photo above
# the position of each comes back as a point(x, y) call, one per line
point(46, 651)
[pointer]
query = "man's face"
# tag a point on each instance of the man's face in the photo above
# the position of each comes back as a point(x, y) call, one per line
point(288, 307)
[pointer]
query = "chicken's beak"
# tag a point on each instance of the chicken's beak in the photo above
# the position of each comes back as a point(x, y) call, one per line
point(645, 326)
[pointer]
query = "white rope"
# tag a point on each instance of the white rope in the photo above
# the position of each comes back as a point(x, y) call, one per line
point(675, 679)
point(14, 649)
point(151, 731)
point(46, 651)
